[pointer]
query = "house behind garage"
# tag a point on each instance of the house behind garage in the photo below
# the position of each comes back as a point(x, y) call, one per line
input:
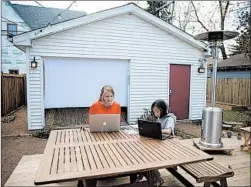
point(142, 57)
point(16, 19)
point(236, 66)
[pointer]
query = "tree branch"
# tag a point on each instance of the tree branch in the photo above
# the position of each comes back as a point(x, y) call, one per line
point(225, 12)
point(195, 11)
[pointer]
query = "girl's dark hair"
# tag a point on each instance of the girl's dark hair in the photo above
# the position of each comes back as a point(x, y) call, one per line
point(162, 106)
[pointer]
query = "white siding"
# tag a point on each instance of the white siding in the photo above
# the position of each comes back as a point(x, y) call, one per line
point(149, 49)
point(12, 57)
point(35, 94)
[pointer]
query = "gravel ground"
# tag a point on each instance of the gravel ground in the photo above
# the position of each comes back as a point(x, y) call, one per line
point(13, 148)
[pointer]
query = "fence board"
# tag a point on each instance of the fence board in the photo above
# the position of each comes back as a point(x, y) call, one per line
point(234, 91)
point(13, 92)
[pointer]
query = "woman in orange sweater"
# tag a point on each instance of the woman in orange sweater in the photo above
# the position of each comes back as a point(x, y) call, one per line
point(106, 103)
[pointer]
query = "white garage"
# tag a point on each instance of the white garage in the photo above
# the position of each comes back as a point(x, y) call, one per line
point(79, 81)
point(126, 47)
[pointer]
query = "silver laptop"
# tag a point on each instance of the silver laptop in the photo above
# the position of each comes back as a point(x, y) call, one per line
point(104, 122)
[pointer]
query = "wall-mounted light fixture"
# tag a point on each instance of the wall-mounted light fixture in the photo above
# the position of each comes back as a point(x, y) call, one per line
point(34, 63)
point(201, 69)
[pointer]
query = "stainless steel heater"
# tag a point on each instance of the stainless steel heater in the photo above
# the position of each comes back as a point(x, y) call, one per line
point(211, 128)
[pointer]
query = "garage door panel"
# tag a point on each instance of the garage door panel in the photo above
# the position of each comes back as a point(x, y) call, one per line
point(77, 82)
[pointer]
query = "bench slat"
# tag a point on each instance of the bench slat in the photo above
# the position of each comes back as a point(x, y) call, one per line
point(207, 171)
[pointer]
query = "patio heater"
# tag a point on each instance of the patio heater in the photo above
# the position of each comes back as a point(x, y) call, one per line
point(211, 128)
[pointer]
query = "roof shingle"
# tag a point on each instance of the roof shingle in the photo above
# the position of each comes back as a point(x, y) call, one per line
point(37, 17)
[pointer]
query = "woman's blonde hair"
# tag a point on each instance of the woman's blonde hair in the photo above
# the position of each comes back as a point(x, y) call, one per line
point(107, 88)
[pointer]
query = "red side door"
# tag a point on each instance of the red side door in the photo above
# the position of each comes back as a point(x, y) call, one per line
point(179, 92)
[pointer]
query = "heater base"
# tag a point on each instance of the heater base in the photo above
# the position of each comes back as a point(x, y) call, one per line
point(226, 150)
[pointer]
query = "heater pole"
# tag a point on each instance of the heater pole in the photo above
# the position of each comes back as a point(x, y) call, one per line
point(214, 74)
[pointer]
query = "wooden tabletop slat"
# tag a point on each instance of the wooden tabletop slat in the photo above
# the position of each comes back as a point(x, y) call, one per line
point(90, 157)
point(189, 149)
point(95, 155)
point(84, 158)
point(54, 165)
point(112, 136)
point(125, 135)
point(75, 134)
point(80, 138)
point(104, 136)
point(96, 136)
point(107, 137)
point(73, 163)
point(83, 135)
point(129, 154)
point(180, 147)
point(61, 160)
point(107, 156)
point(74, 153)
point(79, 159)
point(87, 134)
point(147, 149)
point(93, 137)
point(120, 135)
point(56, 138)
point(63, 138)
point(147, 156)
point(101, 157)
point(71, 137)
point(174, 151)
point(122, 154)
point(158, 151)
point(164, 153)
point(100, 137)
point(67, 137)
point(118, 156)
point(67, 159)
point(137, 154)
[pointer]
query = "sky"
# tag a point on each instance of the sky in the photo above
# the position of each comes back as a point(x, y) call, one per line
point(95, 6)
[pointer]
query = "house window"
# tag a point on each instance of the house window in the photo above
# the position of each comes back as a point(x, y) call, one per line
point(13, 71)
point(11, 30)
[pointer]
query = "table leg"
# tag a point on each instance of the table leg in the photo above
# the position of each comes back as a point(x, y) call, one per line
point(150, 178)
point(223, 182)
point(91, 183)
point(80, 183)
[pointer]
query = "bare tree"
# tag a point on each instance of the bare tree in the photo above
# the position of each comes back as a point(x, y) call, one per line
point(223, 6)
point(184, 18)
point(223, 11)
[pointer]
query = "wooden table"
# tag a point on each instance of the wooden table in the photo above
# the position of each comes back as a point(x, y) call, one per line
point(79, 155)
point(247, 136)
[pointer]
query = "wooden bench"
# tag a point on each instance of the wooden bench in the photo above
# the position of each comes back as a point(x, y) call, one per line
point(208, 172)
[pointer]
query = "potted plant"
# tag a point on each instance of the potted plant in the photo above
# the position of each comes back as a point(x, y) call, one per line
point(229, 134)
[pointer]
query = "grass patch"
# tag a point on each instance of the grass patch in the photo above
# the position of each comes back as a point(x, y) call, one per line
point(235, 116)
point(41, 134)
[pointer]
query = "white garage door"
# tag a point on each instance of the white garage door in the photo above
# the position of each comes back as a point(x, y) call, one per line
point(72, 82)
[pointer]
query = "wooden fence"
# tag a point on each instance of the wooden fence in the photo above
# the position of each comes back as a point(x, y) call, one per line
point(231, 90)
point(13, 92)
